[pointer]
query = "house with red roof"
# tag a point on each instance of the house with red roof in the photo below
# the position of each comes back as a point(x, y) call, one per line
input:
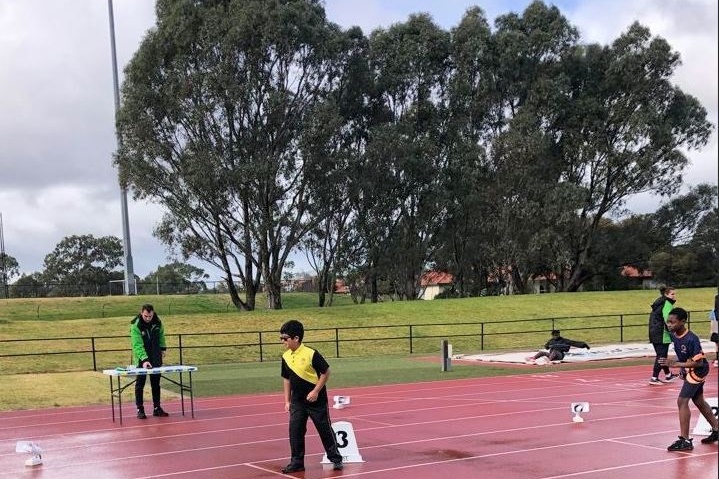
point(642, 278)
point(433, 283)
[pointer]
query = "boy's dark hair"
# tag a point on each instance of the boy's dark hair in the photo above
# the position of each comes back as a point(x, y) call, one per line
point(148, 307)
point(680, 313)
point(293, 328)
point(555, 332)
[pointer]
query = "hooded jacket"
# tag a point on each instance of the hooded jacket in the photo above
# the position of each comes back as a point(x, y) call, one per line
point(658, 331)
point(147, 340)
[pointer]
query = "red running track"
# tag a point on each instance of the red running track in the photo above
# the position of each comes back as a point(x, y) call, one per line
point(511, 427)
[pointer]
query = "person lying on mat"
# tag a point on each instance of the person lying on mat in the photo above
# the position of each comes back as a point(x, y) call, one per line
point(556, 348)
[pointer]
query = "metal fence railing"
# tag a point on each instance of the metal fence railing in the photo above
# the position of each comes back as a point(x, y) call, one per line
point(36, 289)
point(100, 352)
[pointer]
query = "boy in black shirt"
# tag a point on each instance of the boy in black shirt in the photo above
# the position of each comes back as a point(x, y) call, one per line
point(694, 370)
point(305, 373)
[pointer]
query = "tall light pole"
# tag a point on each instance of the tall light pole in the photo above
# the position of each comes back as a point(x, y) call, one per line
point(3, 263)
point(130, 285)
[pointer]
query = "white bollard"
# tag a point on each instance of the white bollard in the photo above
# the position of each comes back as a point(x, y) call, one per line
point(346, 443)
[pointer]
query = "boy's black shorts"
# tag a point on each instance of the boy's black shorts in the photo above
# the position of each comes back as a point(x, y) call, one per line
point(691, 390)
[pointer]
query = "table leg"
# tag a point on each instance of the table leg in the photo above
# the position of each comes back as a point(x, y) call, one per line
point(182, 395)
point(119, 399)
point(112, 399)
point(192, 398)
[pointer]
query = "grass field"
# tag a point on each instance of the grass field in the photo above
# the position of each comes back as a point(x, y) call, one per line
point(383, 362)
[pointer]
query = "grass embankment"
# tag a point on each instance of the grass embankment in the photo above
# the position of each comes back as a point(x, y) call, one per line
point(375, 362)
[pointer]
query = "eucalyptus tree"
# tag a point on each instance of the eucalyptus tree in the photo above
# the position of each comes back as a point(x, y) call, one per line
point(624, 131)
point(532, 201)
point(683, 225)
point(336, 137)
point(326, 243)
point(399, 206)
point(9, 265)
point(627, 241)
point(467, 177)
point(704, 245)
point(82, 263)
point(677, 220)
point(215, 103)
point(9, 268)
point(174, 278)
point(31, 285)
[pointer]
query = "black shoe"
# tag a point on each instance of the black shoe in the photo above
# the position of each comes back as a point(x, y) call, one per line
point(681, 444)
point(713, 437)
point(337, 466)
point(158, 411)
point(141, 414)
point(290, 468)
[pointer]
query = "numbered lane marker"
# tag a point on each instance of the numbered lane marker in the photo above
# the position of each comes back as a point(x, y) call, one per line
point(341, 402)
point(577, 409)
point(346, 442)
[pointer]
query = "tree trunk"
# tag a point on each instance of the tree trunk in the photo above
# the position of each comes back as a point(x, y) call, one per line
point(274, 295)
point(374, 294)
point(517, 279)
point(235, 296)
point(331, 290)
point(322, 286)
point(578, 275)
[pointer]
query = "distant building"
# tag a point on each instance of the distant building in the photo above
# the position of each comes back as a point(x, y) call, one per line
point(341, 287)
point(638, 278)
point(433, 283)
point(305, 284)
point(308, 284)
point(540, 283)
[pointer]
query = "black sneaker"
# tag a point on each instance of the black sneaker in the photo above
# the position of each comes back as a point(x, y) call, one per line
point(159, 412)
point(670, 377)
point(713, 437)
point(681, 444)
point(337, 466)
point(141, 414)
point(290, 468)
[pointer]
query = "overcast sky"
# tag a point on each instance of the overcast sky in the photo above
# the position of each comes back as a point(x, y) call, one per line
point(57, 110)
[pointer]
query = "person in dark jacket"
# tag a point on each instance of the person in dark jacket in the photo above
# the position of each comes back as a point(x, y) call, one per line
point(556, 348)
point(714, 329)
point(147, 337)
point(659, 333)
